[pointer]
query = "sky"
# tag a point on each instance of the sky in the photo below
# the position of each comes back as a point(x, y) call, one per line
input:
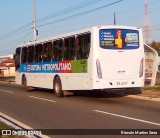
point(62, 16)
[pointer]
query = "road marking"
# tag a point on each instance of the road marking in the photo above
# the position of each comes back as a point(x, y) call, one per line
point(6, 91)
point(42, 99)
point(122, 116)
point(17, 125)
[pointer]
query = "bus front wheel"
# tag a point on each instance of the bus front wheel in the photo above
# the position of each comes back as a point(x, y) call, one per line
point(58, 87)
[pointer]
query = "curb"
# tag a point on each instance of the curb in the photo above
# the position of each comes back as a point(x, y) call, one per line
point(6, 82)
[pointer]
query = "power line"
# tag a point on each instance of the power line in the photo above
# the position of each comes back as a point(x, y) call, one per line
point(18, 31)
point(155, 29)
point(79, 6)
point(70, 9)
point(24, 37)
point(137, 16)
point(80, 14)
point(15, 31)
point(20, 40)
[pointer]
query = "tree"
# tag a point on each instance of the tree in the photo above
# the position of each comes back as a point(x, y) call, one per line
point(155, 45)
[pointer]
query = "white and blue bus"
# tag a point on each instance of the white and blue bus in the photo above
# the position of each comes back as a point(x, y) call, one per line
point(102, 57)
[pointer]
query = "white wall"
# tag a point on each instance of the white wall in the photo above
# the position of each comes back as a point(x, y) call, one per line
point(10, 72)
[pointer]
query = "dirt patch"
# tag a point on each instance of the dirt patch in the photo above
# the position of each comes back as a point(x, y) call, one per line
point(150, 93)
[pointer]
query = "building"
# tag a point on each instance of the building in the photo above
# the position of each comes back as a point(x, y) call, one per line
point(6, 57)
point(7, 68)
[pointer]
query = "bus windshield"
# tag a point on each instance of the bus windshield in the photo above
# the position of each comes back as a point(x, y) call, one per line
point(119, 39)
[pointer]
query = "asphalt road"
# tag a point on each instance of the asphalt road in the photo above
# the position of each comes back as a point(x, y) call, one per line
point(41, 109)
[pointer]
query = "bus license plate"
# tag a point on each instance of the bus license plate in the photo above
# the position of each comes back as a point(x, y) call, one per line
point(122, 83)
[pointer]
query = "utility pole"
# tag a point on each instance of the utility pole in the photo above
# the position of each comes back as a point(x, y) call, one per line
point(147, 25)
point(34, 22)
point(114, 18)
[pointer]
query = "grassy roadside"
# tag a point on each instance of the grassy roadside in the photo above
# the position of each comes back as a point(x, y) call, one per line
point(156, 87)
point(152, 88)
point(3, 126)
point(7, 79)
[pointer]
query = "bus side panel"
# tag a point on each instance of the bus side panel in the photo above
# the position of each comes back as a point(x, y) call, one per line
point(40, 80)
point(75, 82)
point(69, 81)
point(18, 78)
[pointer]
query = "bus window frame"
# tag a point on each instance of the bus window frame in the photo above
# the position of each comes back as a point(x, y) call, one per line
point(82, 48)
point(71, 50)
point(30, 53)
point(58, 49)
point(39, 55)
point(17, 58)
point(24, 55)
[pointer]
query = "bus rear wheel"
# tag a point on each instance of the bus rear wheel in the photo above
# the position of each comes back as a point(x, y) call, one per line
point(58, 87)
point(24, 84)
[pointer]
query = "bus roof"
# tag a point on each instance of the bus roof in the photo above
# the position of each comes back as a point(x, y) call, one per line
point(74, 33)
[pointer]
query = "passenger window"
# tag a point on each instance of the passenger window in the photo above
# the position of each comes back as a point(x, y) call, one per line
point(24, 54)
point(50, 51)
point(82, 46)
point(69, 48)
point(30, 54)
point(72, 48)
point(17, 58)
point(79, 46)
point(87, 43)
point(58, 49)
point(66, 49)
point(45, 52)
point(38, 53)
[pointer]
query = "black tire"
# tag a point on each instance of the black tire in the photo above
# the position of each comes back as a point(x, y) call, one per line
point(24, 84)
point(57, 86)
